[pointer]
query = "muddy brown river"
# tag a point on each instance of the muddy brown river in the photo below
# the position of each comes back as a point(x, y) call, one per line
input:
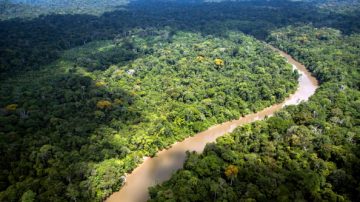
point(159, 169)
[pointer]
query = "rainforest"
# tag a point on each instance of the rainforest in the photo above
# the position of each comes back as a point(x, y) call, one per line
point(179, 100)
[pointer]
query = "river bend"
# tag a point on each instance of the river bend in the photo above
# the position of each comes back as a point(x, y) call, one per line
point(159, 169)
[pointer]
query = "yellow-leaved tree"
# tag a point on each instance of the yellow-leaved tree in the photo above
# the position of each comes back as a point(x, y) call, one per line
point(103, 104)
point(100, 84)
point(231, 172)
point(200, 58)
point(219, 62)
point(11, 107)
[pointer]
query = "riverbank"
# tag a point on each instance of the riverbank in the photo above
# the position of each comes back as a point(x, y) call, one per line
point(158, 169)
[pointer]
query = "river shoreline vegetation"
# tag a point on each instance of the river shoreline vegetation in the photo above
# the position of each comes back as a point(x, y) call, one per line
point(83, 98)
point(133, 97)
point(308, 152)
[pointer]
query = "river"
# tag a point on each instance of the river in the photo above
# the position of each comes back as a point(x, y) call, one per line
point(159, 169)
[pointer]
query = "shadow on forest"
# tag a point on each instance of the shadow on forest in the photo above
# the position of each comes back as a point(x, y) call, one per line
point(29, 44)
point(60, 127)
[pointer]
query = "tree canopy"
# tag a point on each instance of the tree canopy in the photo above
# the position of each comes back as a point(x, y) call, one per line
point(85, 95)
point(308, 152)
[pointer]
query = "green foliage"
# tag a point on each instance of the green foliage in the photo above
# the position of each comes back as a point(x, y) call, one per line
point(153, 66)
point(84, 121)
point(29, 44)
point(308, 152)
point(35, 8)
point(28, 196)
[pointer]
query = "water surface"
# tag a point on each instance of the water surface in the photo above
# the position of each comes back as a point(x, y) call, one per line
point(159, 169)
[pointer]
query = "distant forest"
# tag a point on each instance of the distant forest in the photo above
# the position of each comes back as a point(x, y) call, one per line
point(89, 88)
